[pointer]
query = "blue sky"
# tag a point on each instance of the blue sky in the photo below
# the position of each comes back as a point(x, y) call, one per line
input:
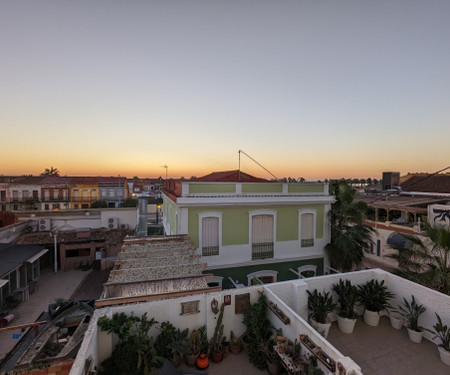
point(317, 89)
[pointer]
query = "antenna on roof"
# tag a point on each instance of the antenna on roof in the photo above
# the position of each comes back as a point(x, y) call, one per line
point(166, 167)
point(240, 151)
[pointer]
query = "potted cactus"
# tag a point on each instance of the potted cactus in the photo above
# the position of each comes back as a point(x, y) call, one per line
point(216, 343)
point(235, 344)
point(194, 348)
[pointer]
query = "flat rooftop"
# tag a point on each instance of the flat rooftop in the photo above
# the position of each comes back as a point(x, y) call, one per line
point(383, 350)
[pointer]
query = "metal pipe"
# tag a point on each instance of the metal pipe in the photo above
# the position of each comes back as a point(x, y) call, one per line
point(56, 252)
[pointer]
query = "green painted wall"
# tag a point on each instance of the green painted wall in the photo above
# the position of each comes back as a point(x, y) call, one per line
point(240, 273)
point(305, 188)
point(262, 188)
point(235, 223)
point(212, 188)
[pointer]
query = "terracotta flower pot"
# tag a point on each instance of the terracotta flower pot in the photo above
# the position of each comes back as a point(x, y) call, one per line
point(191, 359)
point(273, 368)
point(217, 357)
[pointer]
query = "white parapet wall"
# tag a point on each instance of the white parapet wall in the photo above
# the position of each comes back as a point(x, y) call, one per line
point(289, 296)
point(97, 345)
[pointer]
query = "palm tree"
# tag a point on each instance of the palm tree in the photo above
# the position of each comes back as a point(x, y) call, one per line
point(426, 261)
point(349, 236)
point(50, 172)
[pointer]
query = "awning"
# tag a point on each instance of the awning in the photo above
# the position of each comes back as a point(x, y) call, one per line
point(36, 256)
point(396, 239)
point(3, 282)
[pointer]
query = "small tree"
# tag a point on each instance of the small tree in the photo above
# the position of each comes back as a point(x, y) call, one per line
point(350, 238)
point(130, 202)
point(50, 172)
point(258, 331)
point(99, 204)
point(427, 261)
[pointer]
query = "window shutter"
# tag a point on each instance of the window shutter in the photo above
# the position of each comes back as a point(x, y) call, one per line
point(262, 228)
point(307, 230)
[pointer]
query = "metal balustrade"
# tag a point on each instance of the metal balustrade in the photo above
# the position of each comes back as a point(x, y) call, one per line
point(262, 250)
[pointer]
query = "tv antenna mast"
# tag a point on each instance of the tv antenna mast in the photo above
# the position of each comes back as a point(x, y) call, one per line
point(240, 151)
point(166, 167)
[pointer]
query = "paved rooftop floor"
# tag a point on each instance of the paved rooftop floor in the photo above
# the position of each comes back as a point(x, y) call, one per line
point(51, 286)
point(384, 350)
point(233, 364)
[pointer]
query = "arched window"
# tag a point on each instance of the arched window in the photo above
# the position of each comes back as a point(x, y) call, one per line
point(266, 277)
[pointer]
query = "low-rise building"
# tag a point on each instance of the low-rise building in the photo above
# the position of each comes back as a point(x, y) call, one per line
point(246, 227)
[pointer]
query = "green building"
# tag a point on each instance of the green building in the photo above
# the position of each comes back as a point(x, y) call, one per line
point(245, 226)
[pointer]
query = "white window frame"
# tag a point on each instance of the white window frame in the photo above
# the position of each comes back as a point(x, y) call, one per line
point(201, 216)
point(262, 212)
point(215, 279)
point(263, 273)
point(300, 213)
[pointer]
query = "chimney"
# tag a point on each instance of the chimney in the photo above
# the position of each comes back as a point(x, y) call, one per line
point(142, 215)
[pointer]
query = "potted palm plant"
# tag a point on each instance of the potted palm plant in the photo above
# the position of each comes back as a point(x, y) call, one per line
point(347, 297)
point(178, 346)
point(374, 296)
point(411, 312)
point(319, 306)
point(442, 332)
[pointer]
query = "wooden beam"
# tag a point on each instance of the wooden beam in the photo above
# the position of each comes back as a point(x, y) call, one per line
point(21, 326)
point(125, 300)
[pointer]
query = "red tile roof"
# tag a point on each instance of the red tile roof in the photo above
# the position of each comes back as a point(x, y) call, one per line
point(84, 180)
point(55, 180)
point(229, 176)
point(439, 183)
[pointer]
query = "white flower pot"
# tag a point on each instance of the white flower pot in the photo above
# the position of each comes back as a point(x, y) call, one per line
point(322, 328)
point(445, 355)
point(346, 325)
point(396, 322)
point(371, 318)
point(415, 336)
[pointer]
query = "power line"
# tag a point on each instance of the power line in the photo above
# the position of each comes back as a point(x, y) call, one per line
point(413, 184)
point(240, 151)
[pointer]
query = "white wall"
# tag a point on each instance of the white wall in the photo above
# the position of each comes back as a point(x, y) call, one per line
point(382, 235)
point(242, 254)
point(127, 216)
point(290, 297)
point(99, 344)
point(11, 232)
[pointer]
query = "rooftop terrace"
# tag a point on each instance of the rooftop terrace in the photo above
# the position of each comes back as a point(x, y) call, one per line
point(369, 350)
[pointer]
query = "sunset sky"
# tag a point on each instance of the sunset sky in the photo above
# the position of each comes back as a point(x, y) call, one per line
point(313, 89)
